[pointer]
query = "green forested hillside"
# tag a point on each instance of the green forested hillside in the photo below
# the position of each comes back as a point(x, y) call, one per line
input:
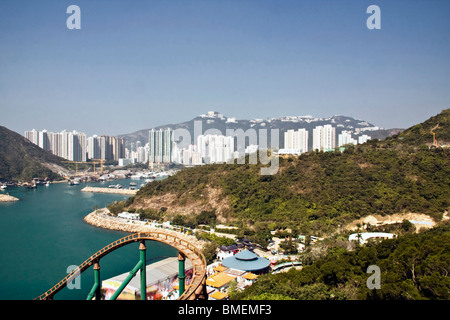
point(422, 133)
point(22, 160)
point(319, 191)
point(414, 266)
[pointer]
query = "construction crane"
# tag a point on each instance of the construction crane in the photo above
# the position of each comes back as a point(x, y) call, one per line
point(98, 161)
point(435, 140)
point(101, 164)
point(76, 165)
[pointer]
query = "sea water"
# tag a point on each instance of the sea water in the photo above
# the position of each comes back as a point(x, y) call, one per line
point(43, 235)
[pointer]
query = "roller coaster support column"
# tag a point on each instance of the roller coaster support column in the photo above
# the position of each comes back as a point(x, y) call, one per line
point(181, 274)
point(143, 249)
point(139, 266)
point(96, 288)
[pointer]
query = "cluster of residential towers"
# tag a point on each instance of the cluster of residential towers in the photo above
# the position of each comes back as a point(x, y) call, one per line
point(75, 146)
point(161, 148)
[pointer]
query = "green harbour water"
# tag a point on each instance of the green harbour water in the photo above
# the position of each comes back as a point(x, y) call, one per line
point(44, 233)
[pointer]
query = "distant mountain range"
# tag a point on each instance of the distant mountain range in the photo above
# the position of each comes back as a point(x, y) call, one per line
point(20, 159)
point(216, 120)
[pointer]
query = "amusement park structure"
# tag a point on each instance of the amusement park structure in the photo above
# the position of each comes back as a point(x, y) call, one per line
point(195, 290)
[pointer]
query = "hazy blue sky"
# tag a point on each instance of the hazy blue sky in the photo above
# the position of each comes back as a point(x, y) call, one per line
point(139, 64)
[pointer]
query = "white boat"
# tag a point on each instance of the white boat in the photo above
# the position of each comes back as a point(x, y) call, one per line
point(3, 186)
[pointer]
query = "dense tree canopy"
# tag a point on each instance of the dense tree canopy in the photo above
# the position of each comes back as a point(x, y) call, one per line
point(415, 266)
point(20, 159)
point(319, 191)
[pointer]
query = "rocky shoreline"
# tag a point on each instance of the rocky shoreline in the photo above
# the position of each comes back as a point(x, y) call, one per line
point(7, 198)
point(100, 218)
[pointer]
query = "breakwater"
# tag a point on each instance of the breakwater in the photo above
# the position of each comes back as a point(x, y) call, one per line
point(102, 219)
point(110, 190)
point(7, 198)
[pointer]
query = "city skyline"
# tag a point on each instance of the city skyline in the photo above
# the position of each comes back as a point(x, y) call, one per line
point(140, 65)
point(161, 148)
point(77, 146)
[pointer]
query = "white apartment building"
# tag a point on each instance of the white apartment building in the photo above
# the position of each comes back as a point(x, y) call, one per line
point(215, 148)
point(364, 138)
point(142, 154)
point(161, 145)
point(43, 140)
point(196, 158)
point(346, 138)
point(32, 135)
point(76, 146)
point(324, 138)
point(93, 147)
point(297, 140)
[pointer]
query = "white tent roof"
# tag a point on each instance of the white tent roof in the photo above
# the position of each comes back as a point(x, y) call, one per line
point(363, 237)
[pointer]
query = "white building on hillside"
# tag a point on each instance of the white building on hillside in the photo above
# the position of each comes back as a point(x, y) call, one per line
point(296, 140)
point(346, 138)
point(324, 138)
